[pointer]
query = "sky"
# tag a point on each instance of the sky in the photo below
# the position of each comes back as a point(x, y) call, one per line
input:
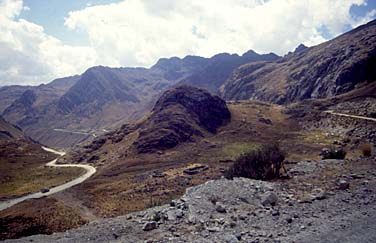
point(42, 40)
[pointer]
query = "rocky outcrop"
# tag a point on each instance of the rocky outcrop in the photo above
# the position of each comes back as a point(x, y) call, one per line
point(179, 115)
point(332, 68)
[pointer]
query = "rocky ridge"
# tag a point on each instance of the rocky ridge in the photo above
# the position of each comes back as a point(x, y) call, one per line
point(331, 68)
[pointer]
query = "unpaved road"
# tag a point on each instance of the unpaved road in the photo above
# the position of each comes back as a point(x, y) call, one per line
point(352, 116)
point(90, 170)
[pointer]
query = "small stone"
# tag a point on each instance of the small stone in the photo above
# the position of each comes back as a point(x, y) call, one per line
point(173, 203)
point(232, 224)
point(214, 229)
point(171, 216)
point(238, 236)
point(148, 226)
point(230, 239)
point(275, 213)
point(270, 199)
point(242, 217)
point(289, 220)
point(343, 185)
point(321, 196)
point(220, 209)
point(179, 214)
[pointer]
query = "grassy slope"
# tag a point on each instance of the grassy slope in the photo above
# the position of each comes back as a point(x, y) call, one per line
point(22, 169)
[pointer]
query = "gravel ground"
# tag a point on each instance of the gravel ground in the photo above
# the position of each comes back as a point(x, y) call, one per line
point(309, 207)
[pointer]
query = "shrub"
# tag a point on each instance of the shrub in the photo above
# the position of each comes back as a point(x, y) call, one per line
point(333, 153)
point(366, 149)
point(262, 164)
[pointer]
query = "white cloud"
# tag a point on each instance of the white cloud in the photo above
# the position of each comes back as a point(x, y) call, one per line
point(138, 32)
point(29, 56)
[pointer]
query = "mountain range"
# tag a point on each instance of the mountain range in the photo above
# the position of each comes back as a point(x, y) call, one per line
point(71, 110)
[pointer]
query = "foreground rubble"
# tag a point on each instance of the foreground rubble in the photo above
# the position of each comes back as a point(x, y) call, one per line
point(325, 201)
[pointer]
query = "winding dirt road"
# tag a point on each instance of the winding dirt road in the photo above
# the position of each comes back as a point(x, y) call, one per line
point(352, 116)
point(90, 170)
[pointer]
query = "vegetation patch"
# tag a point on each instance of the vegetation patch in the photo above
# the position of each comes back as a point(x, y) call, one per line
point(366, 150)
point(262, 163)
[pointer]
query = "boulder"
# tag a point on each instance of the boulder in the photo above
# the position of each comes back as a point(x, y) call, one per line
point(148, 226)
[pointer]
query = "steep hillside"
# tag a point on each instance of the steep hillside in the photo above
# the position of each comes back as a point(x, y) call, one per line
point(326, 70)
point(9, 94)
point(8, 131)
point(219, 68)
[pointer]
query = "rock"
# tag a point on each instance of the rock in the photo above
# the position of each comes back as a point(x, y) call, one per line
point(270, 199)
point(220, 208)
point(214, 229)
point(148, 226)
point(265, 121)
point(158, 174)
point(343, 185)
point(230, 239)
point(173, 203)
point(346, 140)
point(289, 220)
point(196, 169)
point(321, 195)
point(171, 216)
point(356, 176)
point(238, 236)
point(275, 213)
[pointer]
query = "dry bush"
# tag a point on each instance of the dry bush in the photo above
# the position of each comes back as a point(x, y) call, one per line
point(333, 154)
point(366, 149)
point(262, 164)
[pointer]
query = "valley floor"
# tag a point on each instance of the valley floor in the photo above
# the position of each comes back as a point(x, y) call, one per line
point(127, 183)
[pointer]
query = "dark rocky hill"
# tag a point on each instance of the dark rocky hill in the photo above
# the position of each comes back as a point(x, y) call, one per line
point(332, 68)
point(180, 114)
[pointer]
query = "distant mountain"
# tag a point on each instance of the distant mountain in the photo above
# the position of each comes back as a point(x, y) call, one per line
point(332, 68)
point(45, 93)
point(71, 110)
point(219, 67)
point(68, 111)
